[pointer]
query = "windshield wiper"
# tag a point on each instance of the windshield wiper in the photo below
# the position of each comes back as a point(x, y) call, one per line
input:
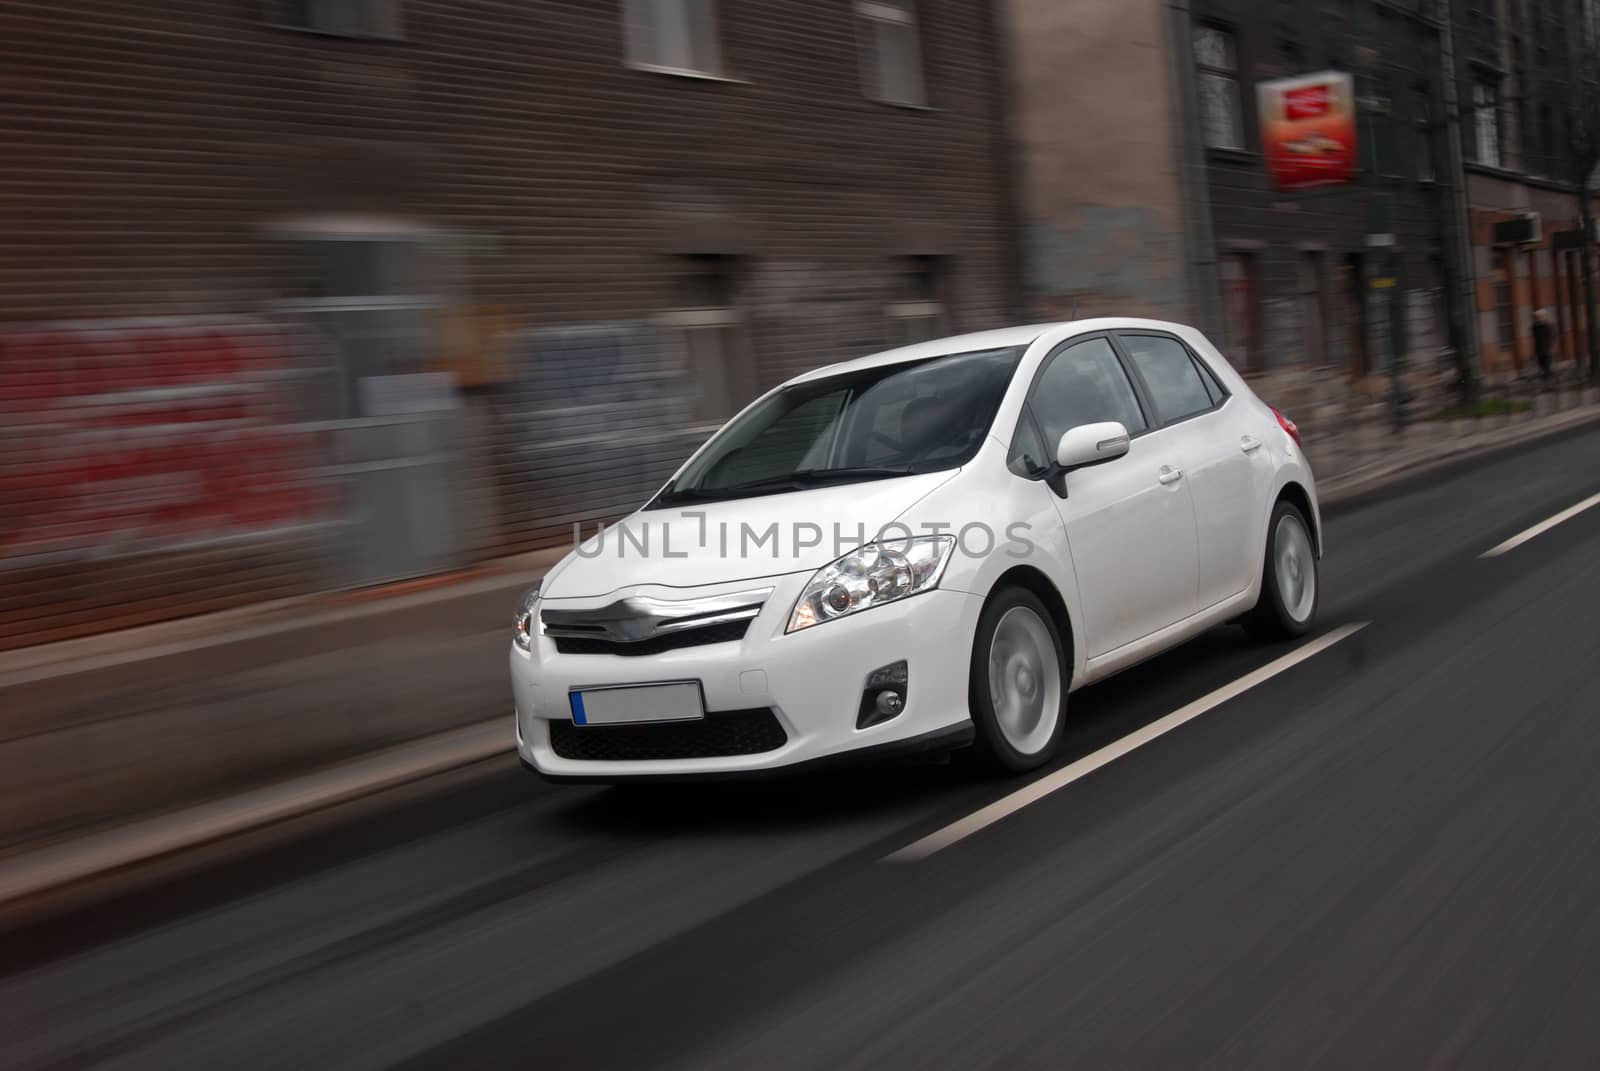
point(816, 477)
point(801, 480)
point(675, 496)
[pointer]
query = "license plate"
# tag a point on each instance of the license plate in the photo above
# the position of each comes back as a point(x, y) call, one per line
point(680, 701)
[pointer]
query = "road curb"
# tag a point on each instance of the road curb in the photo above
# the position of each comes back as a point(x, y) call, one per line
point(45, 694)
point(43, 870)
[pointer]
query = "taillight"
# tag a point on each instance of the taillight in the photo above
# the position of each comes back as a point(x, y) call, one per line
point(1289, 426)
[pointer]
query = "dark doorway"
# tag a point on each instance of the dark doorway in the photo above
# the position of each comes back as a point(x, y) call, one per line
point(1355, 313)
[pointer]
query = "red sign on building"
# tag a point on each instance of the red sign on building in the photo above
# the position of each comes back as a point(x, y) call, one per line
point(1307, 102)
point(1308, 129)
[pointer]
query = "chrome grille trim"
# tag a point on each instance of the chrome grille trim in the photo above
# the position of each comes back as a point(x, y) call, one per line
point(638, 618)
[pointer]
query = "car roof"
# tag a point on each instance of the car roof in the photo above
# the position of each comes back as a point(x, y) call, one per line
point(983, 340)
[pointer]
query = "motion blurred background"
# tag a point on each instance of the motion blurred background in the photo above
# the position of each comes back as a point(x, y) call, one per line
point(327, 296)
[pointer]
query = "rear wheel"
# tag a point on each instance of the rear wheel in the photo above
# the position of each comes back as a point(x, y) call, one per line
point(1020, 673)
point(1288, 603)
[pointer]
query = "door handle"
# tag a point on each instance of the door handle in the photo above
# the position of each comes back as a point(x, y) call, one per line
point(1249, 443)
point(1170, 475)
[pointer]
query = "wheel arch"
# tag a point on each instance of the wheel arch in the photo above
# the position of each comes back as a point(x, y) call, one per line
point(1034, 580)
point(1295, 493)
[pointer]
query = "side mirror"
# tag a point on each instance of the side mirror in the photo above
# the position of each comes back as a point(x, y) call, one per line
point(1091, 444)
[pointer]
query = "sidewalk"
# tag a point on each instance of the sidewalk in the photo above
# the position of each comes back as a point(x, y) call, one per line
point(1385, 459)
point(111, 748)
point(102, 729)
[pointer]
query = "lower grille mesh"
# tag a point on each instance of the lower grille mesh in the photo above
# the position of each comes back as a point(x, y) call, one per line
point(734, 732)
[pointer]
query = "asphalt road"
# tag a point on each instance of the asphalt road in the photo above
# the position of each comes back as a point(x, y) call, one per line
point(1386, 855)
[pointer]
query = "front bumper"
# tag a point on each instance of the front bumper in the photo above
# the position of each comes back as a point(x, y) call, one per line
point(810, 680)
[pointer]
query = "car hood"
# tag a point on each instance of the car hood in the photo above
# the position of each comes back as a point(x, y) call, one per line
point(719, 542)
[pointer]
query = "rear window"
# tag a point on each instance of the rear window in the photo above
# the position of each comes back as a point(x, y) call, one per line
point(1175, 384)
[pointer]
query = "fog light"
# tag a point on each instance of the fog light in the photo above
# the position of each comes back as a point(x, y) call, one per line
point(884, 696)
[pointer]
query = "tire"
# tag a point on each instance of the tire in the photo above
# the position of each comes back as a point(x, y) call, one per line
point(1019, 722)
point(1285, 608)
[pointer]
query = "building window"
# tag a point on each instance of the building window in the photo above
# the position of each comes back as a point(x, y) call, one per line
point(918, 313)
point(1350, 334)
point(344, 18)
point(1486, 122)
point(1221, 114)
point(371, 296)
point(1241, 296)
point(1424, 138)
point(1385, 149)
point(891, 58)
point(1577, 309)
point(1504, 306)
point(705, 330)
point(678, 36)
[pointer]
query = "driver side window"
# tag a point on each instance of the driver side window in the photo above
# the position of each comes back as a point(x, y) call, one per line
point(1083, 384)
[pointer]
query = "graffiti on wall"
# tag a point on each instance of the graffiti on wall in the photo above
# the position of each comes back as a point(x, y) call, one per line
point(595, 419)
point(126, 436)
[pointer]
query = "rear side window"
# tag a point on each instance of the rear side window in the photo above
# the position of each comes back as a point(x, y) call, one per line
point(1174, 382)
point(1213, 386)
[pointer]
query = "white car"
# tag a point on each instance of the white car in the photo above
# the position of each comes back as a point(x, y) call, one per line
point(924, 549)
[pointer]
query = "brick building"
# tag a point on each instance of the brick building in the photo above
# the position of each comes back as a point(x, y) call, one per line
point(1482, 191)
point(1097, 124)
point(1514, 65)
point(1146, 189)
point(463, 272)
point(1292, 268)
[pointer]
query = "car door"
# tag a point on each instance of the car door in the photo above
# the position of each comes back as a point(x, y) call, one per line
point(1216, 448)
point(1130, 523)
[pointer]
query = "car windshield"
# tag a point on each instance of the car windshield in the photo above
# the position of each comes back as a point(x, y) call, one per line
point(875, 423)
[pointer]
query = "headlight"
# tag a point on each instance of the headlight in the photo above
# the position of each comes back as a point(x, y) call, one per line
point(526, 626)
point(869, 576)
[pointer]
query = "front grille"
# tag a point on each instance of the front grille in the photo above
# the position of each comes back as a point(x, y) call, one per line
point(734, 732)
point(670, 641)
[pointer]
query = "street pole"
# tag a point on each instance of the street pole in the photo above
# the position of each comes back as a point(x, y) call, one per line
point(1463, 301)
point(1586, 243)
point(1383, 281)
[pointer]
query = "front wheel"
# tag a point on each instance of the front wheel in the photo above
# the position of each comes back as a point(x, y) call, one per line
point(1020, 675)
point(1288, 602)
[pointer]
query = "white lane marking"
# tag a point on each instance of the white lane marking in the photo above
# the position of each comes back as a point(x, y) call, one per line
point(1542, 527)
point(1038, 790)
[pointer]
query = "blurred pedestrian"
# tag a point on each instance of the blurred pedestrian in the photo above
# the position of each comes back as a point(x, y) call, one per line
point(1542, 331)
